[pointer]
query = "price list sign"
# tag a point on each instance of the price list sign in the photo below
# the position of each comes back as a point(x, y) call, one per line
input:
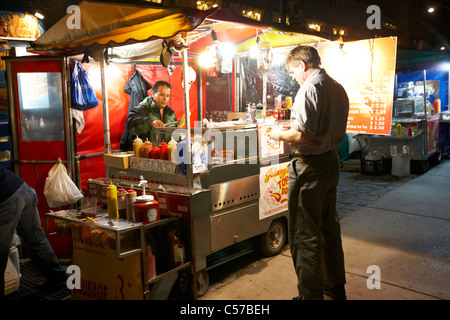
point(366, 69)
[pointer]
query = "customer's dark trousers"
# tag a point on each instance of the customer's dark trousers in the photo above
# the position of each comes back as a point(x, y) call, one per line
point(19, 212)
point(314, 228)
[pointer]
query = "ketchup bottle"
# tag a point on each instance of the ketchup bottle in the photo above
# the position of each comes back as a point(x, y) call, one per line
point(156, 154)
point(163, 149)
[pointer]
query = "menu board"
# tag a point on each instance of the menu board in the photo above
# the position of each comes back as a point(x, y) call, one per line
point(366, 69)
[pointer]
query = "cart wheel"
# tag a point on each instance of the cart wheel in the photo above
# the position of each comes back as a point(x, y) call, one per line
point(272, 242)
point(202, 282)
point(436, 158)
point(424, 166)
point(185, 283)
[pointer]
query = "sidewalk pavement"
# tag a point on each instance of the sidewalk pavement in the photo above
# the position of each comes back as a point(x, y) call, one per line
point(400, 225)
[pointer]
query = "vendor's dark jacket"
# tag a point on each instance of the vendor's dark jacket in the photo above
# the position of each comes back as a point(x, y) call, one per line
point(140, 118)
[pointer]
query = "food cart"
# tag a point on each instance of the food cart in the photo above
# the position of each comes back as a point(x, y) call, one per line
point(238, 193)
point(421, 94)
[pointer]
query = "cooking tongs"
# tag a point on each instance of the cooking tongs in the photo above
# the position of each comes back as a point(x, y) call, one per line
point(173, 124)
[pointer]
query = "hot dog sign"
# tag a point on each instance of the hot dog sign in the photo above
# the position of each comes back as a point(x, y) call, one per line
point(273, 190)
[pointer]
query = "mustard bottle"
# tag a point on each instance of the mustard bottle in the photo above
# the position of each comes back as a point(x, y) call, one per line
point(399, 130)
point(111, 196)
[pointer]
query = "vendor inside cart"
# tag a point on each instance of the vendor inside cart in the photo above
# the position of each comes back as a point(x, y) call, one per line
point(151, 113)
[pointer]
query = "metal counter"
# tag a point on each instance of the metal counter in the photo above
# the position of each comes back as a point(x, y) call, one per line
point(220, 206)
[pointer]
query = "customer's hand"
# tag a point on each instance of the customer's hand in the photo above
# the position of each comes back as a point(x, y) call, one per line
point(158, 124)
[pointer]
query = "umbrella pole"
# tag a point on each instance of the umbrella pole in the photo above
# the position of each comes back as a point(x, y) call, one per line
point(106, 129)
point(187, 114)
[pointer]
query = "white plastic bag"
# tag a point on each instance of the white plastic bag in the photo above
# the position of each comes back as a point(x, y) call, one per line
point(59, 189)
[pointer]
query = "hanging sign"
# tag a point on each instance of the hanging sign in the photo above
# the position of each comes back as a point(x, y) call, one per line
point(19, 25)
point(273, 190)
point(366, 69)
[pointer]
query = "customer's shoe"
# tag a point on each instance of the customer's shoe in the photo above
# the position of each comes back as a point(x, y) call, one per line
point(58, 280)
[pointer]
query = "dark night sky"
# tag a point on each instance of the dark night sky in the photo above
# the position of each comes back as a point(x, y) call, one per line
point(413, 20)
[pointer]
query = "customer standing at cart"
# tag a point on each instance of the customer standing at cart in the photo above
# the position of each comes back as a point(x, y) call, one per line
point(18, 211)
point(318, 125)
point(151, 113)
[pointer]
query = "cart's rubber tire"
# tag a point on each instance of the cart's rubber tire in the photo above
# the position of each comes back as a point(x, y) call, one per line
point(424, 166)
point(185, 283)
point(272, 242)
point(202, 282)
point(436, 158)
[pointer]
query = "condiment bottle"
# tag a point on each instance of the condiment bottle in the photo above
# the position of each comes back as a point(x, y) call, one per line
point(122, 203)
point(410, 130)
point(146, 149)
point(137, 144)
point(163, 150)
point(172, 145)
point(156, 153)
point(399, 130)
point(173, 249)
point(437, 106)
point(111, 196)
point(146, 208)
point(130, 198)
point(288, 102)
point(249, 115)
point(151, 266)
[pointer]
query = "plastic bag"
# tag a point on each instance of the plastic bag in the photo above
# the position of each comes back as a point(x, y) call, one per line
point(83, 95)
point(59, 189)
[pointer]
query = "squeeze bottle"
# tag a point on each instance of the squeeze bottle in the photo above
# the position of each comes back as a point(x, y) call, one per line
point(146, 149)
point(137, 144)
point(131, 198)
point(164, 152)
point(249, 115)
point(170, 147)
point(399, 129)
point(437, 106)
point(156, 153)
point(122, 203)
point(111, 196)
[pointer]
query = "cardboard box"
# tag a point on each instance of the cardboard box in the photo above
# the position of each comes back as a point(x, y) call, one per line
point(119, 160)
point(236, 115)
